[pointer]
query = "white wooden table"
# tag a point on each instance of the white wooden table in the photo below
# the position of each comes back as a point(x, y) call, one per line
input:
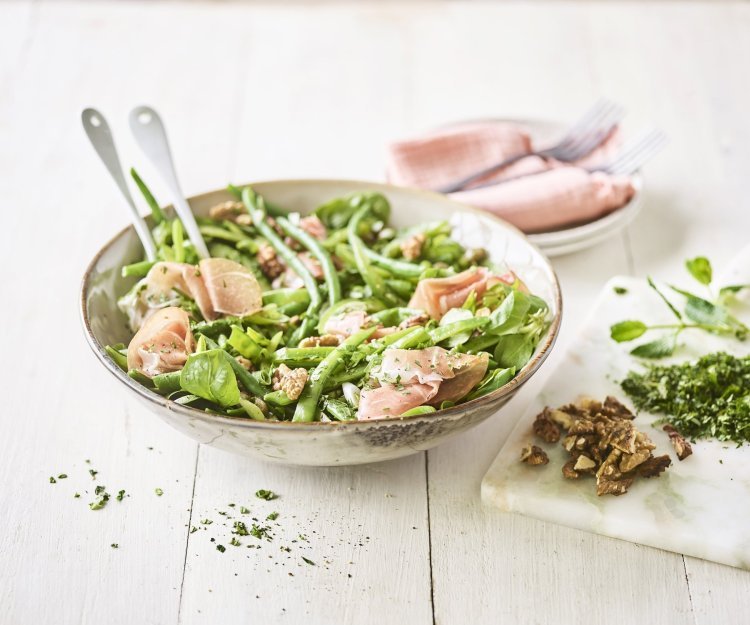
point(254, 91)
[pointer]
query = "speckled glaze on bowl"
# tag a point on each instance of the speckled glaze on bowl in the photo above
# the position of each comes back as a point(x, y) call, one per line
point(336, 443)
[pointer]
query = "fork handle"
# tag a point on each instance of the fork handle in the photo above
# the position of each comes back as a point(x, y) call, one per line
point(461, 184)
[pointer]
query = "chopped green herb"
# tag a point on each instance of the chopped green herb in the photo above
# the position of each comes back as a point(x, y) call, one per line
point(77, 495)
point(235, 542)
point(265, 494)
point(93, 473)
point(240, 529)
point(231, 505)
point(115, 546)
point(308, 561)
point(99, 489)
point(260, 532)
point(62, 476)
point(620, 290)
point(159, 492)
point(244, 510)
point(193, 529)
point(706, 399)
point(52, 480)
point(206, 522)
point(273, 516)
point(100, 503)
point(221, 548)
point(120, 495)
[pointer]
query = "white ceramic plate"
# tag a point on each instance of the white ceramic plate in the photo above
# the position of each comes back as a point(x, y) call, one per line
point(581, 236)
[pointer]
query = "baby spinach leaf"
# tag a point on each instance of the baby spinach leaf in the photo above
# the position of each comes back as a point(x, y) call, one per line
point(209, 375)
point(491, 382)
point(627, 330)
point(514, 350)
point(510, 315)
point(700, 268)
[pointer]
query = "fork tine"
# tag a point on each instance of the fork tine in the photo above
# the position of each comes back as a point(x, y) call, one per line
point(637, 152)
point(590, 138)
point(590, 119)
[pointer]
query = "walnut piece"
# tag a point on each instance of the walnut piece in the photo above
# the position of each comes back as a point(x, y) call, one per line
point(411, 248)
point(247, 364)
point(229, 211)
point(533, 455)
point(327, 340)
point(270, 265)
point(602, 441)
point(545, 428)
point(681, 447)
point(415, 320)
point(291, 381)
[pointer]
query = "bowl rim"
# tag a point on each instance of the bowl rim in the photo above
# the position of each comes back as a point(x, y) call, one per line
point(154, 398)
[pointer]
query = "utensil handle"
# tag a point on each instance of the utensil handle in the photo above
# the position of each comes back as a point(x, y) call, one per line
point(148, 130)
point(98, 132)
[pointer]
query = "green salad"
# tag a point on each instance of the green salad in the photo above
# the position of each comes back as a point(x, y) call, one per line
point(334, 316)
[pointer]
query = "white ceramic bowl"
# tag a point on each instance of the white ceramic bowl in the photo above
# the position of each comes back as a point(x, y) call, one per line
point(324, 443)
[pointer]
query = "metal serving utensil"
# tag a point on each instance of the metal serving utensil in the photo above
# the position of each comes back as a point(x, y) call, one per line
point(98, 132)
point(150, 134)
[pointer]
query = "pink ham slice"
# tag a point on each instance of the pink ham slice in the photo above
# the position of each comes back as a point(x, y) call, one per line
point(165, 277)
point(162, 344)
point(411, 378)
point(289, 279)
point(232, 288)
point(353, 321)
point(391, 401)
point(436, 296)
point(314, 227)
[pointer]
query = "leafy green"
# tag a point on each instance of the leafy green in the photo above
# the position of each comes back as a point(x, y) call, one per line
point(700, 268)
point(509, 317)
point(659, 348)
point(492, 381)
point(627, 330)
point(209, 375)
point(514, 351)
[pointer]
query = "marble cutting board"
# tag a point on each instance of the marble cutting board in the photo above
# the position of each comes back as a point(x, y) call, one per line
point(699, 507)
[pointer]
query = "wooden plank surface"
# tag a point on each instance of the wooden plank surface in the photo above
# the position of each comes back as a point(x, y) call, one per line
point(255, 91)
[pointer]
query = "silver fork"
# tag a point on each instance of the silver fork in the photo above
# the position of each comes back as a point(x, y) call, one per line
point(634, 153)
point(582, 138)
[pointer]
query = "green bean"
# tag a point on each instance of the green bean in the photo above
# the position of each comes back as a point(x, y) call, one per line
point(399, 268)
point(217, 232)
point(402, 288)
point(156, 212)
point(415, 336)
point(178, 239)
point(289, 301)
point(307, 405)
point(257, 209)
point(137, 270)
point(277, 398)
point(316, 249)
point(349, 374)
point(251, 384)
point(371, 278)
point(301, 356)
point(121, 360)
point(417, 411)
point(441, 333)
point(394, 316)
point(167, 382)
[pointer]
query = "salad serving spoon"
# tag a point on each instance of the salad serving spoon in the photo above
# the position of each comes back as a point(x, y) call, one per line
point(150, 134)
point(98, 131)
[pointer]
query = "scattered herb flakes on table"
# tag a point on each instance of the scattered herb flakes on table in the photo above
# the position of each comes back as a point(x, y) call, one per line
point(602, 441)
point(709, 398)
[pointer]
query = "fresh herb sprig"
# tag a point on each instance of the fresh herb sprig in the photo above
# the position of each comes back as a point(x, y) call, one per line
point(710, 315)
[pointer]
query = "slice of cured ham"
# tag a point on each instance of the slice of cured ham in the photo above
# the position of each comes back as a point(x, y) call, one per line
point(162, 344)
point(436, 296)
point(392, 400)
point(231, 287)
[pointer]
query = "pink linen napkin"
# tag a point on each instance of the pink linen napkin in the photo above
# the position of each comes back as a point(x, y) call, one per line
point(555, 196)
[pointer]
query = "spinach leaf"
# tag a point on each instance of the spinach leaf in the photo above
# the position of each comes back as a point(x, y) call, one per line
point(491, 382)
point(210, 375)
point(514, 351)
point(659, 348)
point(509, 317)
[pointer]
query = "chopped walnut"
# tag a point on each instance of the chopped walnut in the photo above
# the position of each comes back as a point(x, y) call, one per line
point(269, 263)
point(681, 447)
point(291, 381)
point(229, 211)
point(411, 248)
point(602, 441)
point(314, 227)
point(533, 455)
point(476, 255)
point(415, 320)
point(247, 364)
point(327, 340)
point(545, 428)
